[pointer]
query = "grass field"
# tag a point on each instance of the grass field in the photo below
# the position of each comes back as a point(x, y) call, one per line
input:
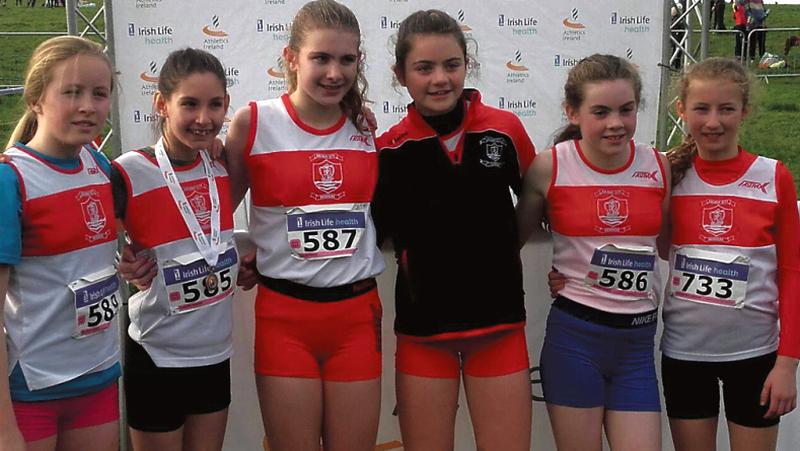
point(771, 130)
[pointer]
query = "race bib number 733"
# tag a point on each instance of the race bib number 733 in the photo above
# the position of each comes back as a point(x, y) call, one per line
point(709, 277)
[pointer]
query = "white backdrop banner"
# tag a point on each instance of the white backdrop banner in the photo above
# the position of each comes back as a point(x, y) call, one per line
point(523, 50)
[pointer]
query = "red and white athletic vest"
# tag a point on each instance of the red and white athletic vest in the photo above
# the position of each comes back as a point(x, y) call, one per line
point(310, 192)
point(55, 325)
point(174, 332)
point(605, 225)
point(722, 295)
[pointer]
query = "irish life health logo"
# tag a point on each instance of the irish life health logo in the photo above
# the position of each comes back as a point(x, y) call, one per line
point(522, 107)
point(279, 31)
point(519, 26)
point(152, 35)
point(215, 37)
point(574, 30)
point(517, 71)
point(565, 61)
point(388, 23)
point(631, 24)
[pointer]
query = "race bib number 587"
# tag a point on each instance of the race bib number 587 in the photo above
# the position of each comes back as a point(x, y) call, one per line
point(324, 234)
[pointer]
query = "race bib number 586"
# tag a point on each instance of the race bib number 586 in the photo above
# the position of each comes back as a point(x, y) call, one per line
point(623, 271)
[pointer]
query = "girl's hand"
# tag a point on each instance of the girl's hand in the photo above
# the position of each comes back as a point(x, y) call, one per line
point(556, 281)
point(138, 270)
point(369, 116)
point(5, 158)
point(780, 388)
point(248, 274)
point(217, 150)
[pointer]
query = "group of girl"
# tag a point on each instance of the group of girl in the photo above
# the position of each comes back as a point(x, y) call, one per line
point(458, 294)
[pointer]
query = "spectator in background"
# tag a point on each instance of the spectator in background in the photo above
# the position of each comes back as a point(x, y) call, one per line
point(740, 25)
point(718, 11)
point(756, 19)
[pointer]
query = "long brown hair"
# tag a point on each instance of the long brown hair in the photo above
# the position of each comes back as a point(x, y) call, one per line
point(322, 14)
point(592, 69)
point(717, 69)
point(39, 73)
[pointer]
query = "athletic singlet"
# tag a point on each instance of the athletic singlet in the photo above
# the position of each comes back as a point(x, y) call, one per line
point(310, 194)
point(605, 225)
point(181, 320)
point(63, 296)
point(722, 294)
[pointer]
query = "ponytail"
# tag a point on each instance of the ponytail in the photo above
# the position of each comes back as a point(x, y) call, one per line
point(568, 133)
point(25, 129)
point(681, 158)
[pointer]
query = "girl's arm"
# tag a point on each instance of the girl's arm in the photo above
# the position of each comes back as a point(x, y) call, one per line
point(780, 388)
point(665, 236)
point(235, 146)
point(530, 207)
point(10, 436)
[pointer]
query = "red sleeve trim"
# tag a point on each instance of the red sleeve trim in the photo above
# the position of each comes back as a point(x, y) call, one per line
point(787, 240)
point(251, 134)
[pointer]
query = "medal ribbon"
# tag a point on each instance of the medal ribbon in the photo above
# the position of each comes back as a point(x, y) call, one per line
point(209, 249)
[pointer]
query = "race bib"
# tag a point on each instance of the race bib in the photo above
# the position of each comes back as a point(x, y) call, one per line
point(96, 300)
point(623, 271)
point(325, 233)
point(192, 285)
point(709, 277)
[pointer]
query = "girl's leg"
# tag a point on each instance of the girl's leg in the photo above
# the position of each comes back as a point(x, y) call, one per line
point(291, 409)
point(102, 437)
point(166, 441)
point(351, 413)
point(633, 431)
point(427, 410)
point(745, 438)
point(575, 428)
point(500, 409)
point(45, 444)
point(205, 432)
point(694, 435)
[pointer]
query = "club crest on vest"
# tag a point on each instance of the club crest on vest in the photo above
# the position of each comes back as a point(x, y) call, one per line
point(493, 148)
point(94, 216)
point(197, 195)
point(328, 175)
point(612, 209)
point(718, 216)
